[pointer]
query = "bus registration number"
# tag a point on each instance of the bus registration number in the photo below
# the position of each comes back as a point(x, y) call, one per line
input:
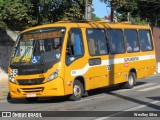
point(31, 95)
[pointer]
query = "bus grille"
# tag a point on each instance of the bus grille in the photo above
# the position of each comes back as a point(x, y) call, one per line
point(31, 81)
point(27, 90)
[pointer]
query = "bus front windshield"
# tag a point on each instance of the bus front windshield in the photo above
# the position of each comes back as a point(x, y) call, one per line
point(38, 46)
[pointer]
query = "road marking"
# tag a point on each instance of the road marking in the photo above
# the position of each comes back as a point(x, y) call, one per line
point(148, 84)
point(102, 118)
point(150, 88)
point(90, 98)
point(136, 87)
point(130, 109)
point(141, 106)
point(123, 90)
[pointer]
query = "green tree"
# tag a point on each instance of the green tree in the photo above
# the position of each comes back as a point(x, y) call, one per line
point(149, 11)
point(21, 14)
point(139, 11)
point(76, 9)
point(50, 10)
point(15, 14)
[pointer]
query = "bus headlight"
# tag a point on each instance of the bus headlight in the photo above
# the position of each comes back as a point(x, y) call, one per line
point(54, 75)
point(11, 79)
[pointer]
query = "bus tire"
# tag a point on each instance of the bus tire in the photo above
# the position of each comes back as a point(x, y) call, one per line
point(77, 91)
point(131, 81)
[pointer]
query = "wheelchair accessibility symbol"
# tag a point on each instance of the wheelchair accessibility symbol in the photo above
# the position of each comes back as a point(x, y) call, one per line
point(35, 59)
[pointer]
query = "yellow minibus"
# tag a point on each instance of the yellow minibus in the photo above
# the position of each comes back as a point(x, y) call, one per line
point(72, 57)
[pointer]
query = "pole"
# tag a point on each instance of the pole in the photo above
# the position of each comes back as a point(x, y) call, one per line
point(86, 9)
point(113, 12)
point(89, 12)
point(128, 16)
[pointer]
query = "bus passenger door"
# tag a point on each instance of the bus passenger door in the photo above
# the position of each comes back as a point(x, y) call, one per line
point(74, 59)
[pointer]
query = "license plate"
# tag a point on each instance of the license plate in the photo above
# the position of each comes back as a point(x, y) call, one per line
point(31, 95)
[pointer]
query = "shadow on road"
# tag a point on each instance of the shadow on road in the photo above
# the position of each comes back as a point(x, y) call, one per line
point(156, 107)
point(154, 98)
point(109, 89)
point(140, 83)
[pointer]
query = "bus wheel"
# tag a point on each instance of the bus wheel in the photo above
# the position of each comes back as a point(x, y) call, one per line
point(77, 91)
point(131, 81)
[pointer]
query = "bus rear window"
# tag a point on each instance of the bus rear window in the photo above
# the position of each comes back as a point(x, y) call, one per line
point(131, 38)
point(145, 40)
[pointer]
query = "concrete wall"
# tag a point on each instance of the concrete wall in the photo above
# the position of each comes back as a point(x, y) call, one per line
point(7, 39)
point(156, 35)
point(13, 35)
point(5, 55)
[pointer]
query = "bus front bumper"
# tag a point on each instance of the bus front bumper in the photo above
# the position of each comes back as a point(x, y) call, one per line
point(48, 89)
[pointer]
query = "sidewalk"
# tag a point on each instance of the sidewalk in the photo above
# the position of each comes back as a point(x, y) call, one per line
point(3, 86)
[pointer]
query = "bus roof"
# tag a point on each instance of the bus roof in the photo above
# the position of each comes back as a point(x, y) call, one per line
point(90, 24)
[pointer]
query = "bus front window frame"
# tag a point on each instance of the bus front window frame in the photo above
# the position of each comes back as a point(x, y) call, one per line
point(57, 41)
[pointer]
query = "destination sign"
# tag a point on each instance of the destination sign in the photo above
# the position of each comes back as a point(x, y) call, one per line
point(40, 36)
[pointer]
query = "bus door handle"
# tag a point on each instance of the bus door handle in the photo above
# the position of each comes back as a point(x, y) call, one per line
point(94, 61)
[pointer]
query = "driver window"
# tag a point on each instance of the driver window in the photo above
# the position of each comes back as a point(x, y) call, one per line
point(75, 47)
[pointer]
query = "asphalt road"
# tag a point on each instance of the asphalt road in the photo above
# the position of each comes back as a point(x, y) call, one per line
point(102, 104)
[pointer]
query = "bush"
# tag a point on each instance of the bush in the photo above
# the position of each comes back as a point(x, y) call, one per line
point(2, 25)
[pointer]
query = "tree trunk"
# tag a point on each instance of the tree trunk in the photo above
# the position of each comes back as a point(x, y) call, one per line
point(113, 13)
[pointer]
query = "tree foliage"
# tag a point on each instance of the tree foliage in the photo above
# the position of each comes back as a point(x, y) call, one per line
point(14, 13)
point(149, 11)
point(144, 10)
point(117, 3)
point(21, 14)
point(139, 11)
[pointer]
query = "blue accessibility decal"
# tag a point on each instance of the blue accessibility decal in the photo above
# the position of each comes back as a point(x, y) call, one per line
point(35, 59)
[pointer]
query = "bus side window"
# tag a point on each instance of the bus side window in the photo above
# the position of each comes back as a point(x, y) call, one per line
point(116, 42)
point(132, 42)
point(75, 48)
point(97, 43)
point(145, 40)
